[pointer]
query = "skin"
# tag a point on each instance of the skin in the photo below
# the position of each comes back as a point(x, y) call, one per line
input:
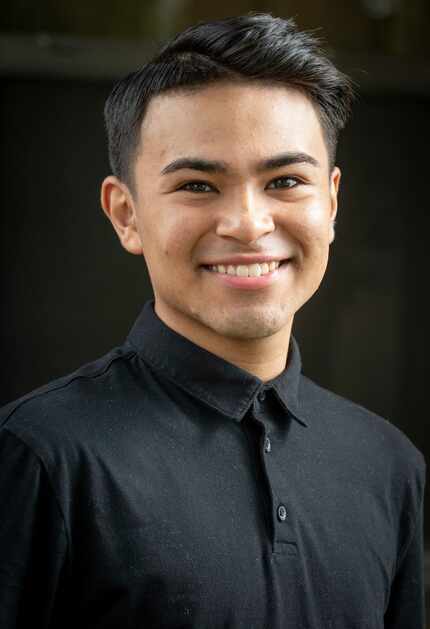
point(286, 212)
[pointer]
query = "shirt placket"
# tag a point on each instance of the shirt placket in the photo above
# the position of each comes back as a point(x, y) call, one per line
point(270, 455)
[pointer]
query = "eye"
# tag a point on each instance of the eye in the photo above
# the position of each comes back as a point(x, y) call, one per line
point(196, 186)
point(284, 182)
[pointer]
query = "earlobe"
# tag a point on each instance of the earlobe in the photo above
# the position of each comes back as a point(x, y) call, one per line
point(118, 206)
point(332, 234)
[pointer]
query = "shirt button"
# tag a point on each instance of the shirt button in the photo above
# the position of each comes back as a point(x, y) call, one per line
point(282, 513)
point(267, 445)
point(262, 396)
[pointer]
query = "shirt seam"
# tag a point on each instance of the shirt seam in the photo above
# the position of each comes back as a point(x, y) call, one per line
point(53, 389)
point(404, 550)
point(44, 467)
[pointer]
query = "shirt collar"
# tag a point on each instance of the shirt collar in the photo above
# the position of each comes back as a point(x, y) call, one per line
point(213, 380)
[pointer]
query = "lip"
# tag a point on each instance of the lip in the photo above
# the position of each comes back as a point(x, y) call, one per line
point(250, 283)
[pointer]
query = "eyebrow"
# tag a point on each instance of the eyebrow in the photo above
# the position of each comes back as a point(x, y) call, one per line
point(215, 166)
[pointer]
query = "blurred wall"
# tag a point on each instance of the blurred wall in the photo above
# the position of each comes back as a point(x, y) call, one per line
point(396, 27)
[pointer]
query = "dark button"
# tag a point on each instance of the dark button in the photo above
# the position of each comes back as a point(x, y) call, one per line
point(282, 513)
point(262, 396)
point(267, 445)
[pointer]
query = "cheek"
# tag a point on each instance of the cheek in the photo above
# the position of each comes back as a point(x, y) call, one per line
point(175, 240)
point(311, 227)
point(176, 236)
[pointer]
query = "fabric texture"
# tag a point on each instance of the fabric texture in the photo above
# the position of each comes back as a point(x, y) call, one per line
point(161, 486)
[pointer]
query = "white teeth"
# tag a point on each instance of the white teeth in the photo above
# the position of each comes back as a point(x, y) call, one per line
point(254, 270)
point(243, 270)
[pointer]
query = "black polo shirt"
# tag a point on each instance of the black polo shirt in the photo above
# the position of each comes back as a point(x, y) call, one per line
point(162, 486)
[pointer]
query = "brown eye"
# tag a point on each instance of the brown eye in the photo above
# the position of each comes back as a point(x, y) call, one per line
point(196, 186)
point(284, 182)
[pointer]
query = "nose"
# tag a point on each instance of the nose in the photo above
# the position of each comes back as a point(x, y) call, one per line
point(246, 219)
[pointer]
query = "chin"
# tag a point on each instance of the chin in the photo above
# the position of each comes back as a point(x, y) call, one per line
point(246, 323)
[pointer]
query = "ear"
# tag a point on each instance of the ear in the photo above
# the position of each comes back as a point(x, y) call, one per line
point(118, 205)
point(334, 189)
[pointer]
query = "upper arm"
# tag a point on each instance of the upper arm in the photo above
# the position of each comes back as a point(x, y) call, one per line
point(33, 542)
point(406, 606)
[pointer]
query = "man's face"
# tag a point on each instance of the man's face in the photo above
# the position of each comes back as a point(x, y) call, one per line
point(237, 209)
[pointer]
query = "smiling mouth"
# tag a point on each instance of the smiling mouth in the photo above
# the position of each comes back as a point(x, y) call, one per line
point(246, 270)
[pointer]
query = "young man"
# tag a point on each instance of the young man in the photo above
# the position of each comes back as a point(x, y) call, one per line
point(193, 477)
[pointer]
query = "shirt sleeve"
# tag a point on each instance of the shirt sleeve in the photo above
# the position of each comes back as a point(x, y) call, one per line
point(406, 607)
point(33, 545)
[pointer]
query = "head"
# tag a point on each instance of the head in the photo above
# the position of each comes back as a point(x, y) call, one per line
point(256, 108)
point(255, 47)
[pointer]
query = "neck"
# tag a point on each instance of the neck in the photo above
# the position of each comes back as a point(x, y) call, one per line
point(264, 358)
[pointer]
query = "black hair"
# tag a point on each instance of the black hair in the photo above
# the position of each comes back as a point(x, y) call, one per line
point(256, 47)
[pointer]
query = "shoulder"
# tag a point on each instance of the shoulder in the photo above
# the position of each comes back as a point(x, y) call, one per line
point(360, 431)
point(68, 406)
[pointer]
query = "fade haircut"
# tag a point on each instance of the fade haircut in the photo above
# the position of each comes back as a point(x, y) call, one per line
point(256, 47)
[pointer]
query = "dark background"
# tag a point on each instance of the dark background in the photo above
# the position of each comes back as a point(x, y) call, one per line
point(69, 292)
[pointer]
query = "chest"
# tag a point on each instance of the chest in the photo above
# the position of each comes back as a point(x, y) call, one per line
point(232, 528)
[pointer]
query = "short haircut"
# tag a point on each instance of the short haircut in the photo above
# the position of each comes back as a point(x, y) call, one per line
point(256, 47)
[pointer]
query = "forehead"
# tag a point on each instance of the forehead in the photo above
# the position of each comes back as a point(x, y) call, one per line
point(230, 121)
